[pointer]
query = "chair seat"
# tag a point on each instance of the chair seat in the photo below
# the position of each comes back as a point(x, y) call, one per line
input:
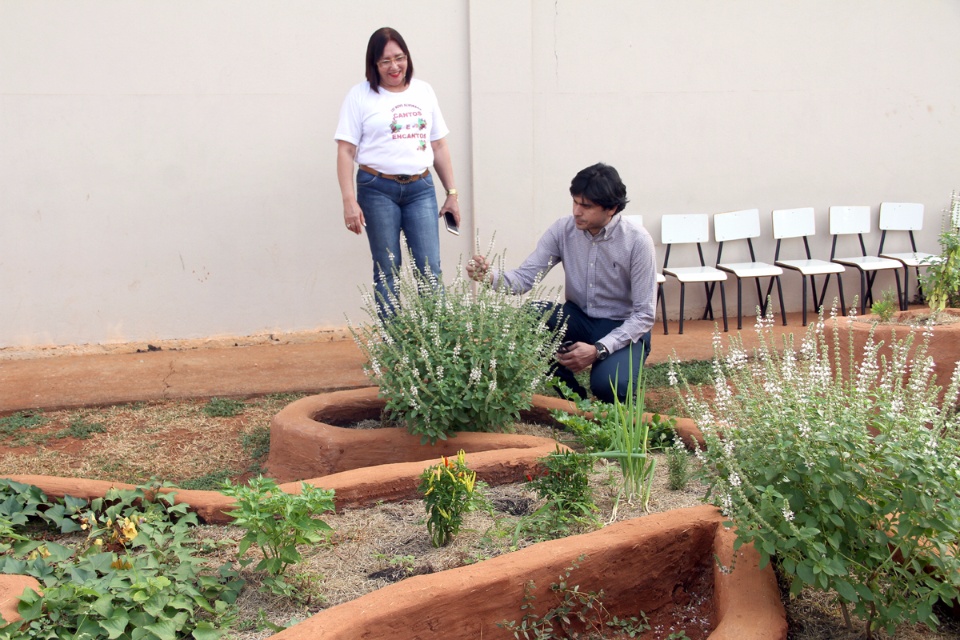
point(869, 263)
point(696, 274)
point(661, 278)
point(751, 269)
point(913, 258)
point(811, 267)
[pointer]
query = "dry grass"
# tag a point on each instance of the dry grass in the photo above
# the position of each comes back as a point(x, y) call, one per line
point(174, 441)
point(369, 548)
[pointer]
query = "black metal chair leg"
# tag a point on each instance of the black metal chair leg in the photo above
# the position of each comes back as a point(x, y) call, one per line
point(683, 287)
point(783, 314)
point(663, 307)
point(863, 293)
point(739, 304)
point(896, 275)
point(843, 305)
point(906, 288)
point(708, 310)
point(803, 280)
point(723, 303)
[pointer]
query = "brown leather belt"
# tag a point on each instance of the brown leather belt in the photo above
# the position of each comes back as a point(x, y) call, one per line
point(402, 179)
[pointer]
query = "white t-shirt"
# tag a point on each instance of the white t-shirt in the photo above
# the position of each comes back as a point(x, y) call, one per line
point(392, 131)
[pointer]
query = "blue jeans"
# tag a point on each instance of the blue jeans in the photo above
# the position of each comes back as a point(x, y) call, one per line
point(389, 208)
point(579, 327)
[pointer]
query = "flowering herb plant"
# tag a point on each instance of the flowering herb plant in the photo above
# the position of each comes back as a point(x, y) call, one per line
point(450, 489)
point(849, 482)
point(451, 358)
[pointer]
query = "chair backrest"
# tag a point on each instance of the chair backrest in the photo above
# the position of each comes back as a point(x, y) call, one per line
point(794, 223)
point(736, 225)
point(847, 220)
point(684, 228)
point(901, 216)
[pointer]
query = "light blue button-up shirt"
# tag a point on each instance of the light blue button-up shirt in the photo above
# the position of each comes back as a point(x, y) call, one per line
point(610, 275)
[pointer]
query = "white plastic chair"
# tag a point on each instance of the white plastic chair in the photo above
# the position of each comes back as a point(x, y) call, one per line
point(855, 220)
point(692, 229)
point(745, 225)
point(637, 220)
point(904, 216)
point(801, 223)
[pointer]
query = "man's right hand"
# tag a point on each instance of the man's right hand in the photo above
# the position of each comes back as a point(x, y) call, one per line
point(478, 269)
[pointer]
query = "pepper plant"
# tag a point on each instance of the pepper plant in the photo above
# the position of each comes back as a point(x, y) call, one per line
point(450, 490)
point(277, 522)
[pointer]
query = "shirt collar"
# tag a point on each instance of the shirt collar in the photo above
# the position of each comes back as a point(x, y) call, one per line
point(608, 231)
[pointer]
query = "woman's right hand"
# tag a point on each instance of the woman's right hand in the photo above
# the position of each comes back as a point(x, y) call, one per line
point(353, 217)
point(352, 214)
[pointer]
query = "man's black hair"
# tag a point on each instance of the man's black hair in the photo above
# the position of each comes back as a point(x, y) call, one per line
point(600, 184)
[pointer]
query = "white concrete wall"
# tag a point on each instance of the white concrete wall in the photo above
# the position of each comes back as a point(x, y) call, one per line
point(167, 167)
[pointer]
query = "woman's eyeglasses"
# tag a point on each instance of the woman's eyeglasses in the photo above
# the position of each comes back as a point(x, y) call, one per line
point(386, 63)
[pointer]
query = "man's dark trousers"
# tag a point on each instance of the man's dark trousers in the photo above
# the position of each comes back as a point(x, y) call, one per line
point(579, 327)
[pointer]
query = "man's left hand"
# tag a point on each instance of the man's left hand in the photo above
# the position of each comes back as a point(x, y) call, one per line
point(578, 357)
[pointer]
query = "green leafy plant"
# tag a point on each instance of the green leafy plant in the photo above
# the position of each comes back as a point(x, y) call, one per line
point(665, 374)
point(135, 575)
point(596, 422)
point(886, 306)
point(450, 490)
point(403, 563)
point(19, 421)
point(941, 281)
point(563, 481)
point(223, 407)
point(256, 442)
point(81, 429)
point(630, 439)
point(850, 482)
point(456, 358)
point(573, 614)
point(276, 522)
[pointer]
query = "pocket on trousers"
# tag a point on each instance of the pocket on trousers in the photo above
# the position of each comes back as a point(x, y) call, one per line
point(365, 179)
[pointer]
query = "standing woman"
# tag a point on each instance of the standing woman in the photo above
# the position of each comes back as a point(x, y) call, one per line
point(391, 126)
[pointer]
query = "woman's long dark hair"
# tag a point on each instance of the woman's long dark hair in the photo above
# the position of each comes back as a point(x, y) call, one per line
point(375, 46)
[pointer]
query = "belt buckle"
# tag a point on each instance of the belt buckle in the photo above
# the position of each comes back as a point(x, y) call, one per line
point(403, 179)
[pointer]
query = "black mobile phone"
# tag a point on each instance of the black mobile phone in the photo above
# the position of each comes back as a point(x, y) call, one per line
point(563, 348)
point(451, 223)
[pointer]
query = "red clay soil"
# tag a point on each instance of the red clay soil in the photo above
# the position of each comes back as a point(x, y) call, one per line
point(650, 563)
point(656, 564)
point(11, 588)
point(97, 375)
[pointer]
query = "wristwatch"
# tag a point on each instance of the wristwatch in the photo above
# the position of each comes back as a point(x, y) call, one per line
point(602, 352)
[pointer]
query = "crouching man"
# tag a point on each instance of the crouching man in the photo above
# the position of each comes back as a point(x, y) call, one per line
point(610, 284)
